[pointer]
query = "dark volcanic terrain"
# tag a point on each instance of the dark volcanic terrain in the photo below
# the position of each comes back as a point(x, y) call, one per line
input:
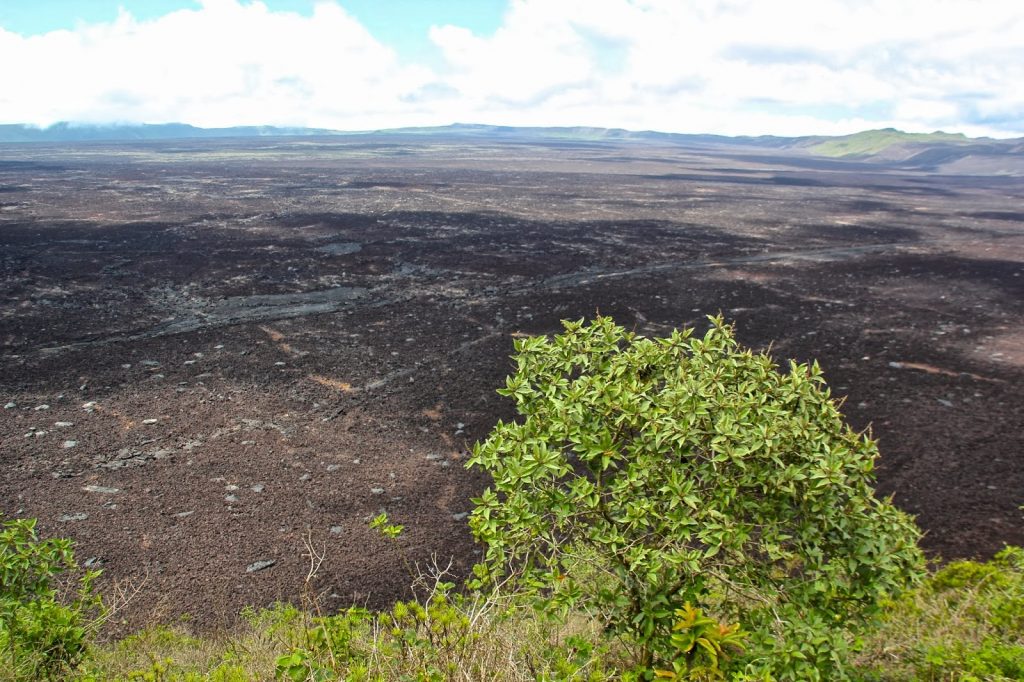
point(212, 351)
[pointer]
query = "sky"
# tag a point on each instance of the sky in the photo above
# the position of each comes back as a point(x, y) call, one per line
point(732, 67)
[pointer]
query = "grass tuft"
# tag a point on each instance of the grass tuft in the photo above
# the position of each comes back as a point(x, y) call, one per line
point(966, 622)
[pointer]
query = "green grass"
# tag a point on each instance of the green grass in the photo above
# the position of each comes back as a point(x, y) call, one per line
point(965, 623)
point(441, 640)
point(874, 141)
point(248, 652)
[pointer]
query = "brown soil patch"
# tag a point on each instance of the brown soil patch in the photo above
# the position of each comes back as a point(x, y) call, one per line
point(342, 386)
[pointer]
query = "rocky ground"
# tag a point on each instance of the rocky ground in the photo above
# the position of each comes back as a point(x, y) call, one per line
point(214, 355)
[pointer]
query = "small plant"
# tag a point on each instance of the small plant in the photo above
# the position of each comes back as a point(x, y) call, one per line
point(382, 524)
point(333, 644)
point(433, 639)
point(46, 603)
point(700, 644)
point(645, 474)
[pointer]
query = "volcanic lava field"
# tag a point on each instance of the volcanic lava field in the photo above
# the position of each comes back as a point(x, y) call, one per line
point(213, 353)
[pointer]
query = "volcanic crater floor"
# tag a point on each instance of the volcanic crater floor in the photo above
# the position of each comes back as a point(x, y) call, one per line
point(215, 354)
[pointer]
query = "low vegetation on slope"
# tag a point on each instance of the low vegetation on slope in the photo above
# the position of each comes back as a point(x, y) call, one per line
point(672, 508)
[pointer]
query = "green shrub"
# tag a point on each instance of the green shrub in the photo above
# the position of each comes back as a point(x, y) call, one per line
point(645, 474)
point(46, 603)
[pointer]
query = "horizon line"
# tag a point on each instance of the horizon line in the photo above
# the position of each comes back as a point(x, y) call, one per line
point(110, 125)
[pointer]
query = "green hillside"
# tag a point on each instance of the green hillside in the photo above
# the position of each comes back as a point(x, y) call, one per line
point(875, 141)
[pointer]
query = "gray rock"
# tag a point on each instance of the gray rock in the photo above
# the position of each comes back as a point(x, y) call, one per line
point(149, 421)
point(44, 406)
point(377, 491)
point(341, 248)
point(63, 425)
point(74, 517)
point(258, 488)
point(337, 530)
point(333, 467)
point(944, 402)
point(460, 516)
point(10, 406)
point(260, 565)
point(185, 514)
point(69, 444)
point(231, 499)
point(102, 489)
point(129, 457)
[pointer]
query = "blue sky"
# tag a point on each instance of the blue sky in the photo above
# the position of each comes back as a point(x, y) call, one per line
point(402, 24)
point(786, 67)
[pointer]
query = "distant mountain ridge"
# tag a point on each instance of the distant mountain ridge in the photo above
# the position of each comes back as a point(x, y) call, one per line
point(869, 142)
point(571, 133)
point(935, 152)
point(83, 132)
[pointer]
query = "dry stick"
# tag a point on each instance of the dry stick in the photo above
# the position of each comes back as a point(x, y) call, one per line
point(316, 559)
point(121, 599)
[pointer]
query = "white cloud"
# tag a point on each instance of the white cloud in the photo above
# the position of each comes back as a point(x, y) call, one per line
point(726, 66)
point(827, 65)
point(225, 63)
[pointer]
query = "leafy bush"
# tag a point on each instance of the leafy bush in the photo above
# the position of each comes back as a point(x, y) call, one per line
point(645, 474)
point(46, 604)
